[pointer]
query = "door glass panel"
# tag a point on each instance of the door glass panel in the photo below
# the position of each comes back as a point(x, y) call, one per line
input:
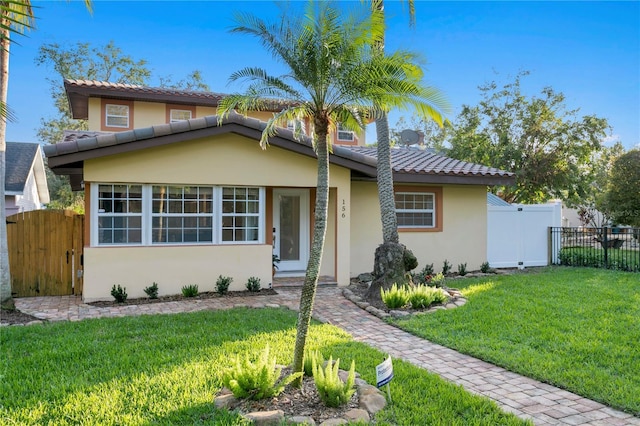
point(289, 227)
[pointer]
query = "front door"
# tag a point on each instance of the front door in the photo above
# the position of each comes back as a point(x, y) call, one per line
point(291, 229)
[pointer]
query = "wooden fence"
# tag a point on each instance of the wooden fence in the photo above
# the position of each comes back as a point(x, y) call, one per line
point(45, 252)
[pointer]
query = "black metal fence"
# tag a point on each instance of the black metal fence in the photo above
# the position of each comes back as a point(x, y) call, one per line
point(612, 248)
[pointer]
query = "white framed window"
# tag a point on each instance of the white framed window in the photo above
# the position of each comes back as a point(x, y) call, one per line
point(416, 209)
point(117, 115)
point(181, 214)
point(135, 214)
point(345, 134)
point(119, 214)
point(241, 214)
point(179, 115)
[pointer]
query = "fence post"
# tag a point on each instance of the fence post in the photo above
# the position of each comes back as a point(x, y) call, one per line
point(605, 246)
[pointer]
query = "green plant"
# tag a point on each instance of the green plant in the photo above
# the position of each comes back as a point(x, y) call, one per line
point(437, 280)
point(222, 284)
point(446, 267)
point(152, 291)
point(427, 270)
point(309, 356)
point(274, 261)
point(332, 390)
point(119, 293)
point(257, 380)
point(462, 269)
point(422, 296)
point(424, 276)
point(190, 290)
point(485, 267)
point(253, 284)
point(410, 260)
point(396, 297)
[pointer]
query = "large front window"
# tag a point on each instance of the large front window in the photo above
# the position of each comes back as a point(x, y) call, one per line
point(176, 214)
point(415, 209)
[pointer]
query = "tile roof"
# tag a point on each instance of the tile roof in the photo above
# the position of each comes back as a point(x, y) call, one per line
point(19, 160)
point(416, 161)
point(79, 91)
point(410, 166)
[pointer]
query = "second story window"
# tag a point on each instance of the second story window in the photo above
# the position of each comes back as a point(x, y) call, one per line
point(345, 134)
point(179, 115)
point(117, 115)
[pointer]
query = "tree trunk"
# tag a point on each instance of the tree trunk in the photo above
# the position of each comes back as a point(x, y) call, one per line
point(317, 247)
point(6, 298)
point(388, 262)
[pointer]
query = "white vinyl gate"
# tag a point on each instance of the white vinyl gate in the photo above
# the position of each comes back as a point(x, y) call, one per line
point(518, 235)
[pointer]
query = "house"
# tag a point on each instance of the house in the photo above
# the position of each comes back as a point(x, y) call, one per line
point(181, 202)
point(25, 185)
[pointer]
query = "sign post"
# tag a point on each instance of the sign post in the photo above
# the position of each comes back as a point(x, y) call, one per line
point(384, 374)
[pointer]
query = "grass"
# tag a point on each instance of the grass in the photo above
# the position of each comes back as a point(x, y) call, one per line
point(576, 328)
point(620, 259)
point(166, 369)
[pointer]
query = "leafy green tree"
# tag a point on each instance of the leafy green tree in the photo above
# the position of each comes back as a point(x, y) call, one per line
point(15, 17)
point(333, 76)
point(84, 62)
point(389, 256)
point(547, 146)
point(623, 195)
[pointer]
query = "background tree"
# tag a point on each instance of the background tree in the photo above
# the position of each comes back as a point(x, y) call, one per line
point(82, 61)
point(389, 266)
point(623, 195)
point(547, 146)
point(332, 77)
point(15, 17)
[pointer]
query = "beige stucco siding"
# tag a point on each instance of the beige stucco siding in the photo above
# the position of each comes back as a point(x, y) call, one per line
point(222, 160)
point(171, 267)
point(463, 238)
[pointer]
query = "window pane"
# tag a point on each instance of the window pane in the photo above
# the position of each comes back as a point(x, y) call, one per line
point(180, 114)
point(227, 235)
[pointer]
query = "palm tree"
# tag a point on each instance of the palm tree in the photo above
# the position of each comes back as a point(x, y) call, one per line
point(389, 257)
point(15, 17)
point(333, 78)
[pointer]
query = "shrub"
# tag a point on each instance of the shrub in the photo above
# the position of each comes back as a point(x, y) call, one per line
point(424, 276)
point(446, 267)
point(222, 284)
point(257, 380)
point(152, 291)
point(119, 293)
point(253, 284)
point(462, 269)
point(396, 297)
point(485, 268)
point(332, 390)
point(437, 280)
point(309, 356)
point(423, 296)
point(410, 260)
point(190, 290)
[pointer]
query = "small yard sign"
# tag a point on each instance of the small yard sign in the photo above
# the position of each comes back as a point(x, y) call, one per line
point(384, 372)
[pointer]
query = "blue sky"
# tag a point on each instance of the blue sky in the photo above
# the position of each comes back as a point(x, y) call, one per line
point(590, 51)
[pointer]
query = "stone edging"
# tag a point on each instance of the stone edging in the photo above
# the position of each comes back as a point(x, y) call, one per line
point(455, 301)
point(370, 401)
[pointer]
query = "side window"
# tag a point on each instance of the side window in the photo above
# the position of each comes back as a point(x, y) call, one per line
point(344, 134)
point(179, 115)
point(117, 115)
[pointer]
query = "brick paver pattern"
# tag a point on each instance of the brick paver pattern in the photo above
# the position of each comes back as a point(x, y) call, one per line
point(527, 398)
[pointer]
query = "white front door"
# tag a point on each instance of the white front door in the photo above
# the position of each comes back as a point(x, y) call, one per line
point(291, 229)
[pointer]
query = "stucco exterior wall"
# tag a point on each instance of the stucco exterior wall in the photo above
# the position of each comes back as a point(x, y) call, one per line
point(222, 160)
point(463, 238)
point(171, 267)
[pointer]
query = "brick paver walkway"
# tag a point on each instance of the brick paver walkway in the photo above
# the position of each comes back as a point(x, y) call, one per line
point(525, 397)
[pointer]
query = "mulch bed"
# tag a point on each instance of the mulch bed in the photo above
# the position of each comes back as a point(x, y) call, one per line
point(179, 297)
point(15, 317)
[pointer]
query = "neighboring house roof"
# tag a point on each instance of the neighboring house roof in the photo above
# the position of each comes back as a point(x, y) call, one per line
point(79, 92)
point(20, 159)
point(494, 200)
point(409, 167)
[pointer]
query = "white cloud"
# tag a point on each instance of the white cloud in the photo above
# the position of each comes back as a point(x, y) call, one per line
point(611, 140)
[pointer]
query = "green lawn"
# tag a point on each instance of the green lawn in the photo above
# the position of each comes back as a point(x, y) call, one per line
point(166, 369)
point(576, 328)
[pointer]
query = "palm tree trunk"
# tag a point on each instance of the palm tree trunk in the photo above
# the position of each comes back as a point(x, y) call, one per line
point(6, 299)
point(388, 265)
point(317, 247)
